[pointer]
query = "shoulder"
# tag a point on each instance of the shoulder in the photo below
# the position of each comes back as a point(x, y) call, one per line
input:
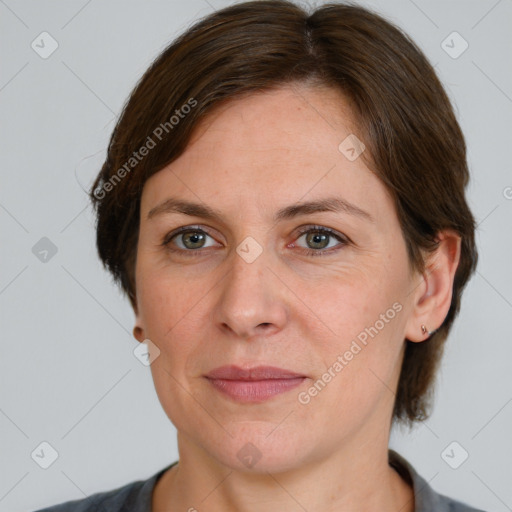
point(115, 500)
point(451, 505)
point(426, 498)
point(134, 497)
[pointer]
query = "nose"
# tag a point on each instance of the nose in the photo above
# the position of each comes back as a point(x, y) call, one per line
point(251, 299)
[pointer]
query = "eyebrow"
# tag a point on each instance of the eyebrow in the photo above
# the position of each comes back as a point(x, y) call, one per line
point(328, 204)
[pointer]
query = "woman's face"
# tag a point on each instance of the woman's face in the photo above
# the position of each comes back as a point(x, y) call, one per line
point(324, 294)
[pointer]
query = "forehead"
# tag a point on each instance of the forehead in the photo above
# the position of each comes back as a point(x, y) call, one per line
point(269, 149)
point(295, 112)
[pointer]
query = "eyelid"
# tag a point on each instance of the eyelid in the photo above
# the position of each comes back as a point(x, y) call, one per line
point(340, 236)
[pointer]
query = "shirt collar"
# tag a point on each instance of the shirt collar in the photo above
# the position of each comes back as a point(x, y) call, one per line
point(426, 499)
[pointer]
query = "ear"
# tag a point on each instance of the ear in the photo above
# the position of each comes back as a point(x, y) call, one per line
point(138, 331)
point(433, 295)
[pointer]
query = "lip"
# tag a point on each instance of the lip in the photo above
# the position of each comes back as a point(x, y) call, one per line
point(233, 372)
point(253, 384)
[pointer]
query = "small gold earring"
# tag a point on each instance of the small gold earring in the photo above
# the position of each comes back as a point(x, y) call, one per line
point(424, 330)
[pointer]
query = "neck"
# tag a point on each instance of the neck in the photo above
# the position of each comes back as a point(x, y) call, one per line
point(351, 479)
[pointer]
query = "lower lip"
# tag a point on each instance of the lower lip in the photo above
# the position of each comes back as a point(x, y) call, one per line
point(257, 390)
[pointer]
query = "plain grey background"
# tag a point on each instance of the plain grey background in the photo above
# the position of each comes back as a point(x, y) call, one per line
point(68, 374)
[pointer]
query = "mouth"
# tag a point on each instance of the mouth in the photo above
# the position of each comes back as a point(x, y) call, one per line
point(253, 384)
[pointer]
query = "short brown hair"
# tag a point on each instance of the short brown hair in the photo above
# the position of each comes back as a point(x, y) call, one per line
point(403, 113)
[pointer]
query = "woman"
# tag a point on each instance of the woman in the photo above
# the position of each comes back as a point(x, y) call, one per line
point(283, 204)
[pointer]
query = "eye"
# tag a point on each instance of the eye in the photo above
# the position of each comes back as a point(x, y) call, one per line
point(318, 239)
point(188, 239)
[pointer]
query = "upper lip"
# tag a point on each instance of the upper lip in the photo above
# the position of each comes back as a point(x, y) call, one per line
point(232, 372)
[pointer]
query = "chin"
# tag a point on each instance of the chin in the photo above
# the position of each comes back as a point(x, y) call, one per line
point(258, 452)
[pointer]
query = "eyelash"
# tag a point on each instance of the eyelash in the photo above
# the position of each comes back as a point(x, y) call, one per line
point(309, 252)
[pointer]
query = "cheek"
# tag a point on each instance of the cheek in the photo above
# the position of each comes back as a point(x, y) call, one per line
point(348, 300)
point(164, 301)
point(365, 316)
point(163, 313)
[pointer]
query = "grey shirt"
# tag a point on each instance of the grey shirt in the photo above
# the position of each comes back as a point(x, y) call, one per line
point(136, 496)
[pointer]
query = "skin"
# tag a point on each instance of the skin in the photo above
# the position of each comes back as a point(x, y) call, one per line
point(286, 309)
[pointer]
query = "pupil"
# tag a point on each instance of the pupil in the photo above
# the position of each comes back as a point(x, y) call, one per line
point(194, 238)
point(318, 238)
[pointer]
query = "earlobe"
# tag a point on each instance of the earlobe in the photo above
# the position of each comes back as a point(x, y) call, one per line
point(138, 333)
point(434, 296)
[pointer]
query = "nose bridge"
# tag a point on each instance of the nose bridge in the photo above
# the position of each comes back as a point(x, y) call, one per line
point(250, 299)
